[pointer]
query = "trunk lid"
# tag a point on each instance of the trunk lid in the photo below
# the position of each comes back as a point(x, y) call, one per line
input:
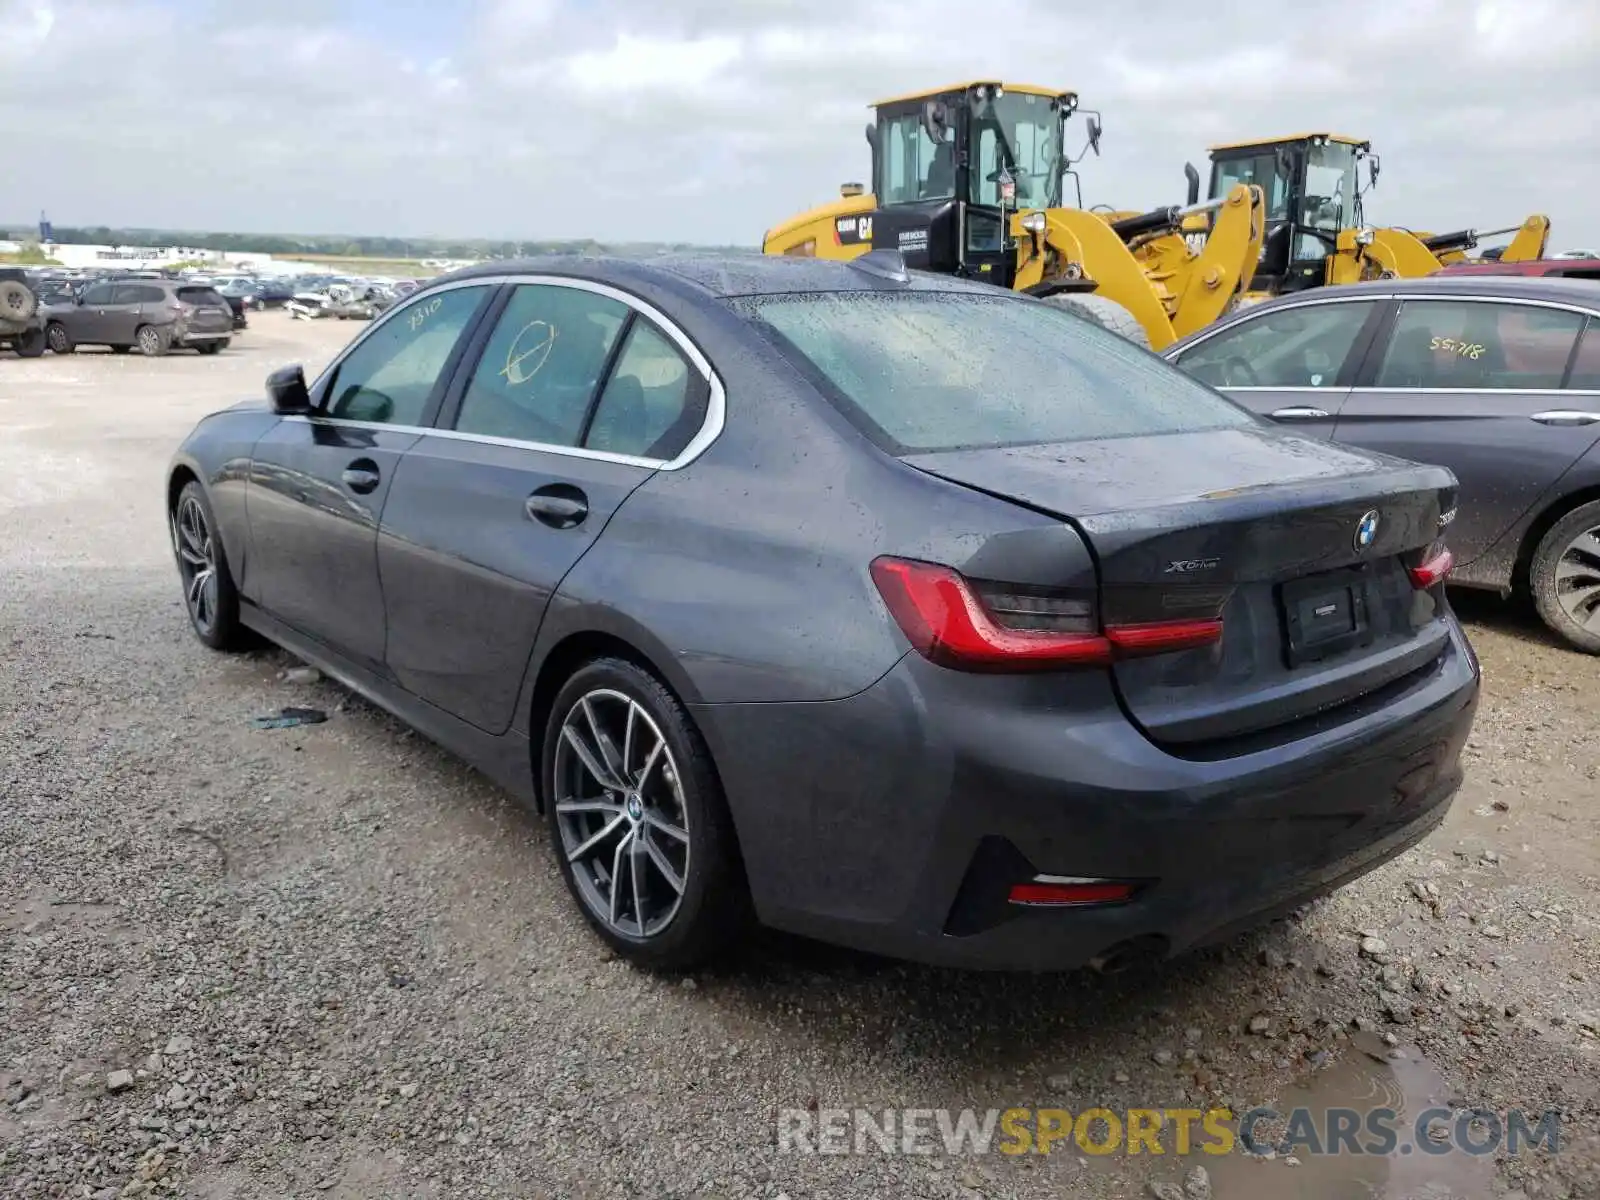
point(1260, 526)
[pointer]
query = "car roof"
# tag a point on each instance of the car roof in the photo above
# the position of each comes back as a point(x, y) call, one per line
point(1583, 293)
point(1512, 287)
point(721, 275)
point(1531, 266)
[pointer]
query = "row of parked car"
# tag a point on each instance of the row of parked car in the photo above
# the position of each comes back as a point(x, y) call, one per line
point(151, 312)
point(158, 312)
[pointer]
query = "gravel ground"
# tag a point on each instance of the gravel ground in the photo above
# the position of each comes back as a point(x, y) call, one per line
point(331, 960)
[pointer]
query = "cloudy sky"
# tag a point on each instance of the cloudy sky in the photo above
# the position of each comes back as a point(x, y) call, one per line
point(704, 121)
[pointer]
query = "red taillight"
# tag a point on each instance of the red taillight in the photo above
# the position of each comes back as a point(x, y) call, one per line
point(1433, 569)
point(946, 621)
point(1066, 892)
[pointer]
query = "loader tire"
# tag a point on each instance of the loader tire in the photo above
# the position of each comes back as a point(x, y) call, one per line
point(1106, 313)
point(17, 301)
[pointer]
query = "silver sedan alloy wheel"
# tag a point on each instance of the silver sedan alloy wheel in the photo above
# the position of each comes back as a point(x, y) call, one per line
point(1578, 580)
point(620, 810)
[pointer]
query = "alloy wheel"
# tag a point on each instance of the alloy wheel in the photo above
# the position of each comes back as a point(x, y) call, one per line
point(59, 342)
point(621, 814)
point(1578, 580)
point(197, 563)
point(149, 340)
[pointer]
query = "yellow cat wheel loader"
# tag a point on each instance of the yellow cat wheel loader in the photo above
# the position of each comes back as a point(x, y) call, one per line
point(1315, 231)
point(968, 180)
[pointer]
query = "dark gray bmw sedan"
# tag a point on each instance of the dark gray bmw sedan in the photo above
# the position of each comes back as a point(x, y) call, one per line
point(888, 609)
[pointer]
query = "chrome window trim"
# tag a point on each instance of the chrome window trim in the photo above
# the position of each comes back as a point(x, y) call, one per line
point(1478, 391)
point(628, 460)
point(1446, 298)
point(716, 399)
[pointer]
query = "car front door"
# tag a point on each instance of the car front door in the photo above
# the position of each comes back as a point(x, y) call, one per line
point(1292, 364)
point(1475, 385)
point(579, 395)
point(318, 483)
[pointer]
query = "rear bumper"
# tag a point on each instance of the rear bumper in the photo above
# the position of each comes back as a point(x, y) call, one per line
point(878, 821)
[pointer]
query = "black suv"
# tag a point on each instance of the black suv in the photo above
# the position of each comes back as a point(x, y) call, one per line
point(156, 315)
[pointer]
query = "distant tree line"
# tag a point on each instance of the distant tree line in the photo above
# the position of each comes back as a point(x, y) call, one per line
point(289, 245)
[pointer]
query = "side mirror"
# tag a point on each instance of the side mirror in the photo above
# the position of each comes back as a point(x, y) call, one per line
point(1095, 131)
point(1193, 177)
point(286, 388)
point(872, 137)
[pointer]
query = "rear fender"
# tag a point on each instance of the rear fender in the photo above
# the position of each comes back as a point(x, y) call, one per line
point(1083, 240)
point(1227, 265)
point(813, 234)
point(1398, 254)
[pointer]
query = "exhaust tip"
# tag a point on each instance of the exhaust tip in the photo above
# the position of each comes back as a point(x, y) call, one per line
point(1125, 955)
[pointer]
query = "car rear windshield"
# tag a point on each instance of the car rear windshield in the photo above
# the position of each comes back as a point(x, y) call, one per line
point(925, 371)
point(200, 295)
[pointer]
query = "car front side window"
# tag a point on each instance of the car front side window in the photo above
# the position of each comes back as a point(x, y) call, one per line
point(1299, 347)
point(391, 374)
point(1473, 345)
point(542, 365)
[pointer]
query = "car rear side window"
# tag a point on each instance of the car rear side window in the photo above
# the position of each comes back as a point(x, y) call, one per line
point(391, 373)
point(653, 402)
point(1585, 373)
point(542, 365)
point(1299, 347)
point(1468, 345)
point(923, 371)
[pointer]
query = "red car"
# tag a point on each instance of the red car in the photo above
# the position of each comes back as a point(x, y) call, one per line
point(1569, 268)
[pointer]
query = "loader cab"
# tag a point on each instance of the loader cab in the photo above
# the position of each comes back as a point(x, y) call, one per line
point(1311, 185)
point(950, 167)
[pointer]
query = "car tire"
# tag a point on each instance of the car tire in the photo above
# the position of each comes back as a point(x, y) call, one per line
point(661, 811)
point(1569, 553)
point(152, 342)
point(210, 347)
point(1104, 312)
point(209, 595)
point(31, 343)
point(59, 339)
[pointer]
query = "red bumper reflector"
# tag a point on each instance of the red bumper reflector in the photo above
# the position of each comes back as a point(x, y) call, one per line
point(1099, 891)
point(1157, 637)
point(1433, 569)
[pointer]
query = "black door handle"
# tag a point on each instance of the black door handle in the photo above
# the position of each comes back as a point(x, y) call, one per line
point(361, 476)
point(560, 506)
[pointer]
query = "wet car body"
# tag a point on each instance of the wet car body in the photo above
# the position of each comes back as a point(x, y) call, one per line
point(885, 794)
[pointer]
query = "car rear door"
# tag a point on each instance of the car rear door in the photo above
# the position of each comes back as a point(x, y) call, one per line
point(1475, 384)
point(1292, 363)
point(579, 394)
point(318, 484)
point(120, 320)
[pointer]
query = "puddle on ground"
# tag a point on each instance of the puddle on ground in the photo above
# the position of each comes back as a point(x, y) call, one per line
point(1368, 1076)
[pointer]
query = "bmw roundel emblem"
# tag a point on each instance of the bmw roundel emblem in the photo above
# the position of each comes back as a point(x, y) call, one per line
point(1367, 529)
